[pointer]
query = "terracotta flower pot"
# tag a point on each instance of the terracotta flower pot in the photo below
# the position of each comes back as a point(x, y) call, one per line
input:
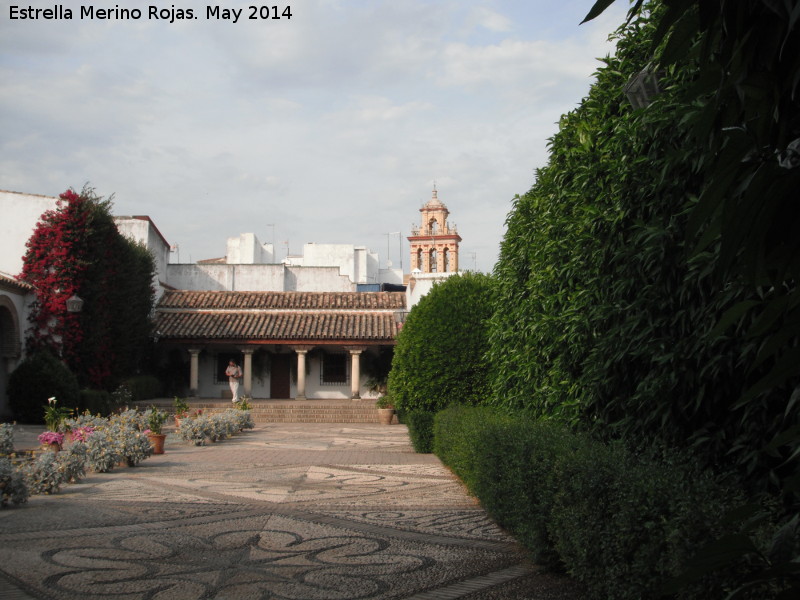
point(385, 416)
point(157, 440)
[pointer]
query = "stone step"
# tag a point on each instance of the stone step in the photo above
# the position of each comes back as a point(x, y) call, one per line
point(289, 411)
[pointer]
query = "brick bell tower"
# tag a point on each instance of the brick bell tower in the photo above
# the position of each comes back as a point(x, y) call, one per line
point(434, 244)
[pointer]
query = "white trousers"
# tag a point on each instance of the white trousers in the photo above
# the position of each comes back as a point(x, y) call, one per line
point(234, 389)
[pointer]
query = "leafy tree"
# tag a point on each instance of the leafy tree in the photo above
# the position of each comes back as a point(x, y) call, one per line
point(77, 249)
point(439, 358)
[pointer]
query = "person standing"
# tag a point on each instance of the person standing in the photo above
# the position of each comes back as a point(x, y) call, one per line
point(234, 373)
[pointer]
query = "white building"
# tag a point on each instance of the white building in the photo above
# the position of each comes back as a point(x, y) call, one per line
point(142, 230)
point(319, 322)
point(250, 266)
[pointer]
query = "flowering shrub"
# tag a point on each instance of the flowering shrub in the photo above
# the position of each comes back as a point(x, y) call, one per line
point(85, 420)
point(214, 427)
point(131, 418)
point(6, 439)
point(51, 437)
point(133, 444)
point(223, 425)
point(12, 484)
point(72, 462)
point(102, 453)
point(196, 429)
point(81, 434)
point(244, 420)
point(43, 475)
point(77, 249)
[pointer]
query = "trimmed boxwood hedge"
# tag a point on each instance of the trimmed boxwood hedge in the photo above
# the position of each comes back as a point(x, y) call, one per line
point(621, 523)
point(420, 429)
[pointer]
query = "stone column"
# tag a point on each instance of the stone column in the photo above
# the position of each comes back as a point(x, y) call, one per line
point(194, 372)
point(355, 372)
point(248, 371)
point(301, 373)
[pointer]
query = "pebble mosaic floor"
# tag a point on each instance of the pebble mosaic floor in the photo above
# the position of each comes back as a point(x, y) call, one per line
point(288, 511)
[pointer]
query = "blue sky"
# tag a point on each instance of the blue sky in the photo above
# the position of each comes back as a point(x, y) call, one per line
point(328, 127)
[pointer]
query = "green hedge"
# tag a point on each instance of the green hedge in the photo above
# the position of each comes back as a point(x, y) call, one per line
point(420, 430)
point(144, 387)
point(439, 357)
point(623, 524)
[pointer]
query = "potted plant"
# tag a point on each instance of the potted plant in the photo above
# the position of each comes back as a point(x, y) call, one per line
point(156, 422)
point(181, 410)
point(385, 410)
point(54, 415)
point(243, 403)
point(51, 440)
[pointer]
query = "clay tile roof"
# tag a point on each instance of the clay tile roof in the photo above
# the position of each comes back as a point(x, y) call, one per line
point(10, 281)
point(181, 299)
point(278, 316)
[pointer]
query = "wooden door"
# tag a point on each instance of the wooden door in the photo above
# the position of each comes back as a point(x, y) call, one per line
point(280, 376)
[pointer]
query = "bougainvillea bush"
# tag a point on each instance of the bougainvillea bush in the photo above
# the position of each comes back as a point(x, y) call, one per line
point(76, 249)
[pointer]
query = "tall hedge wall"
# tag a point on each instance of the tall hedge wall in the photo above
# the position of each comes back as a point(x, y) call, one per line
point(608, 316)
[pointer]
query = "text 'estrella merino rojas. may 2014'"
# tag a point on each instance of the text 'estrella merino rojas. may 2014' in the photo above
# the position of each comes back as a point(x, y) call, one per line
point(59, 12)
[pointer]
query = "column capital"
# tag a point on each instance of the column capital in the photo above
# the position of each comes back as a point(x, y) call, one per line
point(195, 351)
point(303, 349)
point(355, 349)
point(247, 350)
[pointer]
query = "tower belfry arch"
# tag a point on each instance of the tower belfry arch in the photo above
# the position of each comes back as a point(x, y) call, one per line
point(434, 243)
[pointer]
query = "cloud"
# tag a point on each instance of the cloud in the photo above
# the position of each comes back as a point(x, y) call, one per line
point(330, 126)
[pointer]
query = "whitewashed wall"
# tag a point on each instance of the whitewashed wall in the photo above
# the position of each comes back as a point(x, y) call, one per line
point(420, 284)
point(143, 231)
point(20, 213)
point(253, 278)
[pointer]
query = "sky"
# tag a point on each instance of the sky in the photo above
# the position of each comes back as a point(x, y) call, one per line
point(331, 126)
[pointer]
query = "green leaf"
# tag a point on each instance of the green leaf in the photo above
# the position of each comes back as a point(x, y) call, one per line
point(599, 7)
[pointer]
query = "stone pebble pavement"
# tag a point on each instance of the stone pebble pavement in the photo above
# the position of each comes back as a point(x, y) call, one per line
point(286, 511)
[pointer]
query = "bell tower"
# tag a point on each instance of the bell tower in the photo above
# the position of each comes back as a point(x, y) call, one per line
point(434, 243)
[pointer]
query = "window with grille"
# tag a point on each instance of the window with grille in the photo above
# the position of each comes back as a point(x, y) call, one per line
point(335, 369)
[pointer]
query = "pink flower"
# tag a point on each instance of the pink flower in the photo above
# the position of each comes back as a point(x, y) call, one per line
point(51, 437)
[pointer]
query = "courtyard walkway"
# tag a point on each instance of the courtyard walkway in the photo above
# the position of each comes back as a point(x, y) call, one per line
point(294, 511)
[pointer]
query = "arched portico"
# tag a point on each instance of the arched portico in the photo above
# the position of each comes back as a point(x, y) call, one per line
point(12, 301)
